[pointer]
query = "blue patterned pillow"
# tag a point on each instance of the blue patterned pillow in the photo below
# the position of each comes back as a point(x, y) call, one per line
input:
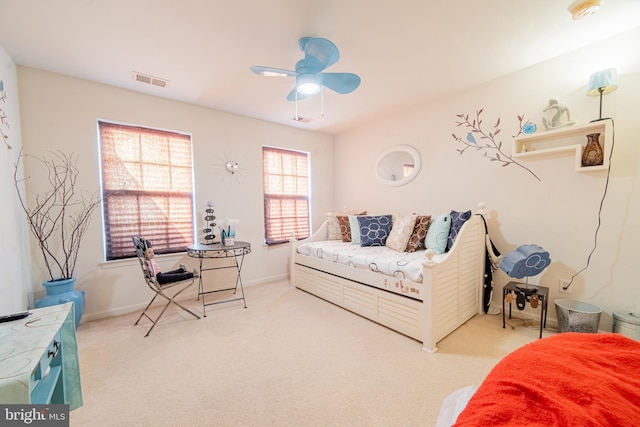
point(374, 230)
point(457, 221)
point(438, 234)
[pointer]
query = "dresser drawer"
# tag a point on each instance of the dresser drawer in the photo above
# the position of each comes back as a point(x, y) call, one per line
point(46, 381)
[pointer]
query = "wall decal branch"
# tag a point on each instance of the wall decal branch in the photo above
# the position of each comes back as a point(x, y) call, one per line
point(479, 140)
point(4, 122)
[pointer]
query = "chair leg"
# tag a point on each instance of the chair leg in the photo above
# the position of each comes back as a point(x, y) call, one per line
point(186, 309)
point(180, 305)
point(169, 301)
point(145, 309)
point(157, 318)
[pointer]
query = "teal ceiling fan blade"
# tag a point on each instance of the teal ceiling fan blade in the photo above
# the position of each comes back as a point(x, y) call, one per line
point(319, 53)
point(342, 83)
point(270, 71)
point(292, 95)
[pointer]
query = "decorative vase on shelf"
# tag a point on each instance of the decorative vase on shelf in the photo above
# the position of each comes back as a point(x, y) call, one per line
point(61, 291)
point(593, 154)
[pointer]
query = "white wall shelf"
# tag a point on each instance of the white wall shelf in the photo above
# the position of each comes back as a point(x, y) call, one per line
point(568, 139)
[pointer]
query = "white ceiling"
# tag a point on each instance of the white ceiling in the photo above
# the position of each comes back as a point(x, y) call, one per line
point(406, 51)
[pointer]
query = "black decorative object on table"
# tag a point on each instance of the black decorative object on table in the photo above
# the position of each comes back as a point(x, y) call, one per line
point(209, 217)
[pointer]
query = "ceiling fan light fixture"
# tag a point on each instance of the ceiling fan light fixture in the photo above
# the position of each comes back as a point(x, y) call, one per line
point(584, 9)
point(308, 84)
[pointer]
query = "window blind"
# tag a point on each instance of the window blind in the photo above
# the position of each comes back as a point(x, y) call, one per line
point(147, 188)
point(286, 194)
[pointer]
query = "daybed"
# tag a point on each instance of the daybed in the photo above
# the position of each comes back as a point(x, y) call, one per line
point(568, 379)
point(445, 290)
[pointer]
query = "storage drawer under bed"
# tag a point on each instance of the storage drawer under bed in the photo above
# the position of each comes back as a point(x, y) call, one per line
point(399, 313)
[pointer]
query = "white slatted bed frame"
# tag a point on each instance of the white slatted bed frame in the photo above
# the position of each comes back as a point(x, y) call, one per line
point(449, 295)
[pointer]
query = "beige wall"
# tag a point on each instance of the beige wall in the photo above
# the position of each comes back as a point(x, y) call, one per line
point(560, 212)
point(60, 112)
point(14, 251)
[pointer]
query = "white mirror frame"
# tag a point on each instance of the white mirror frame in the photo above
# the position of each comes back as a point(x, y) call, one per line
point(390, 164)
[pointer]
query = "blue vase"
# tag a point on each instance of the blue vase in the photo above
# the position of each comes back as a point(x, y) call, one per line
point(61, 291)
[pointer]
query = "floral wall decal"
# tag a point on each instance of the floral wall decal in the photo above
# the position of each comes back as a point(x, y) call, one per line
point(4, 122)
point(480, 140)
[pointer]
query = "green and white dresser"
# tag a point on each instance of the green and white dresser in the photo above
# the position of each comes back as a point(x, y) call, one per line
point(39, 358)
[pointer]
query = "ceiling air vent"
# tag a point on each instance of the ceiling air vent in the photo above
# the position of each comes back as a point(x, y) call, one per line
point(144, 78)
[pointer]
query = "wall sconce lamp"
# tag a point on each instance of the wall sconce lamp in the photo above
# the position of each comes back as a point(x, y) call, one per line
point(601, 83)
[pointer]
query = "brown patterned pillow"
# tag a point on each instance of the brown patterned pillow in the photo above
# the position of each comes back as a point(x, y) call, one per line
point(345, 228)
point(416, 241)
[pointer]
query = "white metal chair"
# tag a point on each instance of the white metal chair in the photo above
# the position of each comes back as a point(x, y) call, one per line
point(158, 289)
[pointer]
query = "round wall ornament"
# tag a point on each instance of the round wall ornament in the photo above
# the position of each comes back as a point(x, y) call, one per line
point(529, 128)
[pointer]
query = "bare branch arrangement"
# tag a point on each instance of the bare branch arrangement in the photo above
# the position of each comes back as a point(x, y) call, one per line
point(60, 216)
point(487, 143)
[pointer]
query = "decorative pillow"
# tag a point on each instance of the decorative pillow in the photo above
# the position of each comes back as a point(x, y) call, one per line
point(355, 229)
point(333, 227)
point(374, 230)
point(345, 228)
point(416, 241)
point(457, 221)
point(401, 230)
point(438, 234)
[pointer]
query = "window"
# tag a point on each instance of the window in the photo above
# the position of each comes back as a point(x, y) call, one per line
point(286, 194)
point(147, 189)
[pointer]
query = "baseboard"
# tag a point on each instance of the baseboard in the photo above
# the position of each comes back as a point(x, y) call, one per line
point(87, 317)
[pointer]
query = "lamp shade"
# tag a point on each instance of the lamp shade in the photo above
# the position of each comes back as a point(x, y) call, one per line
point(527, 260)
point(604, 81)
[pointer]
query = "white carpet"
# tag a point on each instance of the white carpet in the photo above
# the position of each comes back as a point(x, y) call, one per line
point(289, 359)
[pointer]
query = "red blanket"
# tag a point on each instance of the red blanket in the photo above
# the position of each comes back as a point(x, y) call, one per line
point(569, 379)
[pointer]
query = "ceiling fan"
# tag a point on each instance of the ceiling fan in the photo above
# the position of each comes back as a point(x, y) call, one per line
point(319, 54)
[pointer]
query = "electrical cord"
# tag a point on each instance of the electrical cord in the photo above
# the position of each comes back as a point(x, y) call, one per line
point(604, 195)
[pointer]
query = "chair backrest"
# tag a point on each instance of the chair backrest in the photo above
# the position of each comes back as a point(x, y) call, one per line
point(141, 246)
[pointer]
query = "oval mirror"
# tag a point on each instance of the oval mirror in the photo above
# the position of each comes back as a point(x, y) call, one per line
point(398, 165)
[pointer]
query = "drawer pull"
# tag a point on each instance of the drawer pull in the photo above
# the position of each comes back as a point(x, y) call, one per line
point(56, 349)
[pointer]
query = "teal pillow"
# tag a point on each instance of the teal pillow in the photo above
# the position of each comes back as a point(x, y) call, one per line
point(355, 229)
point(438, 234)
point(374, 230)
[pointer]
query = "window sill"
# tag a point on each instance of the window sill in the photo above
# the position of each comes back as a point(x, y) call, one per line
point(119, 263)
